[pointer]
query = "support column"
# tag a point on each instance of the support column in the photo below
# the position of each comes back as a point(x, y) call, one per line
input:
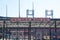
point(3, 28)
point(55, 30)
point(29, 31)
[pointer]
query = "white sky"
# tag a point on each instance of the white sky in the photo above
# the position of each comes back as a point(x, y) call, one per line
point(39, 6)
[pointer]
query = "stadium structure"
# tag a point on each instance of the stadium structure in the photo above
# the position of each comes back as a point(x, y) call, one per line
point(30, 28)
point(18, 28)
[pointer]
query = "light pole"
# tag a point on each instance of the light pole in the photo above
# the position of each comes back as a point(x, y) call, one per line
point(19, 8)
point(18, 20)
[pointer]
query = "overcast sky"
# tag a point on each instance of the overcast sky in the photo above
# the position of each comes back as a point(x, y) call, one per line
point(39, 7)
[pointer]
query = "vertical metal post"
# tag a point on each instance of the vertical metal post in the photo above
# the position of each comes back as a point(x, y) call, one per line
point(17, 31)
point(19, 8)
point(29, 31)
point(6, 23)
point(42, 34)
point(3, 29)
point(55, 30)
point(35, 33)
point(9, 35)
point(50, 32)
point(18, 20)
point(24, 33)
point(6, 33)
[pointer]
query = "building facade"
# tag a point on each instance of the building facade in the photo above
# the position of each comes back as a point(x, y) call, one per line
point(14, 28)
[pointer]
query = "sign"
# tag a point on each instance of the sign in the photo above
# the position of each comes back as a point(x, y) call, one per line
point(29, 19)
